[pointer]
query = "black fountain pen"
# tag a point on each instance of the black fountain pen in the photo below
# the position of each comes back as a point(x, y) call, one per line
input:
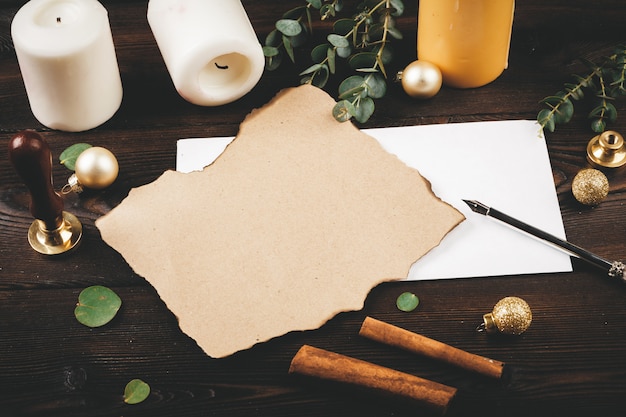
point(614, 269)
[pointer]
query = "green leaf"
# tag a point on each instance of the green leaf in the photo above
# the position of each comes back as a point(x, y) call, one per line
point(338, 41)
point(407, 302)
point(315, 3)
point(343, 26)
point(364, 109)
point(344, 111)
point(289, 48)
point(598, 125)
point(362, 60)
point(611, 112)
point(69, 156)
point(375, 32)
point(295, 13)
point(273, 62)
point(274, 38)
point(344, 52)
point(394, 32)
point(352, 86)
point(97, 305)
point(398, 7)
point(311, 69)
point(546, 119)
point(270, 51)
point(320, 78)
point(376, 86)
point(319, 53)
point(289, 27)
point(564, 112)
point(136, 391)
point(330, 55)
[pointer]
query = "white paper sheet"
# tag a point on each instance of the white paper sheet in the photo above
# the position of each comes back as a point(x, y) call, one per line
point(503, 164)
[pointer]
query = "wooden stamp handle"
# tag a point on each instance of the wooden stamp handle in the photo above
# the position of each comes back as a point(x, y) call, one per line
point(30, 155)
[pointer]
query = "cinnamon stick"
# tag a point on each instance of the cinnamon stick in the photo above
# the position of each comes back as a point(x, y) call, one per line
point(416, 343)
point(319, 363)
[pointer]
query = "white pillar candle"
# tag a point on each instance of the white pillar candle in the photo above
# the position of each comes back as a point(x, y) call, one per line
point(209, 47)
point(67, 59)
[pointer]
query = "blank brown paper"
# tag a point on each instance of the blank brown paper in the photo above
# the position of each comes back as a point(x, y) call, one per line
point(295, 222)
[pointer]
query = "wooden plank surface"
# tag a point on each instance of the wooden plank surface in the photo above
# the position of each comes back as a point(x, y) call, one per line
point(572, 361)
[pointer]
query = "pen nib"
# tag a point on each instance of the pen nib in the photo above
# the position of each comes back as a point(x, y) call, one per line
point(477, 206)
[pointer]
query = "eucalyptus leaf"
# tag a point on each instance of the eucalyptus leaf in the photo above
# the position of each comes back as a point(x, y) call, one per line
point(564, 112)
point(343, 26)
point(319, 53)
point(136, 391)
point(344, 52)
point(352, 87)
point(97, 305)
point(364, 110)
point(546, 119)
point(273, 62)
point(330, 57)
point(311, 69)
point(338, 41)
point(395, 32)
point(295, 13)
point(362, 60)
point(289, 27)
point(598, 125)
point(407, 302)
point(315, 3)
point(611, 112)
point(289, 48)
point(376, 86)
point(320, 78)
point(69, 156)
point(398, 7)
point(270, 51)
point(274, 38)
point(344, 111)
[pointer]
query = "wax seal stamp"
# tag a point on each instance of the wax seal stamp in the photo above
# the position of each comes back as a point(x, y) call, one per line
point(54, 231)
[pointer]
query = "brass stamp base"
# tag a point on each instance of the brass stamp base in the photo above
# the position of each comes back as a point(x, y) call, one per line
point(59, 240)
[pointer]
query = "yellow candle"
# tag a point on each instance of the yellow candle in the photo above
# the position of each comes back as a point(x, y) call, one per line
point(467, 39)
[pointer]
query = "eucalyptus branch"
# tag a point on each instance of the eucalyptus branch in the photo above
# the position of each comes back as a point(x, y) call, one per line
point(606, 82)
point(361, 40)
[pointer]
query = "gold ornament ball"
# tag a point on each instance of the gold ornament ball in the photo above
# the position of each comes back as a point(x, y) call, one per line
point(511, 315)
point(421, 79)
point(96, 168)
point(590, 187)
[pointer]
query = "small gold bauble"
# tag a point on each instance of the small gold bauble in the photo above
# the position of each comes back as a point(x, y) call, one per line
point(96, 168)
point(511, 315)
point(590, 187)
point(421, 79)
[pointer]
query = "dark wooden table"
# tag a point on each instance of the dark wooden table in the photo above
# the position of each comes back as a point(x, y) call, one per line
point(572, 361)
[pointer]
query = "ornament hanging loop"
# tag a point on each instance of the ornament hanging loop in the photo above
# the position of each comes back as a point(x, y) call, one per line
point(72, 186)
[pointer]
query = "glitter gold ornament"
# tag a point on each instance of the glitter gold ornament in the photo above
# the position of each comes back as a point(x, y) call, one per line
point(95, 168)
point(590, 187)
point(510, 315)
point(421, 79)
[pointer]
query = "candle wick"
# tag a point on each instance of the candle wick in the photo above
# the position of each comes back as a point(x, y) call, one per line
point(221, 67)
point(59, 19)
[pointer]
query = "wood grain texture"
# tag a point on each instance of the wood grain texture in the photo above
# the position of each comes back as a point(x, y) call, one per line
point(572, 361)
